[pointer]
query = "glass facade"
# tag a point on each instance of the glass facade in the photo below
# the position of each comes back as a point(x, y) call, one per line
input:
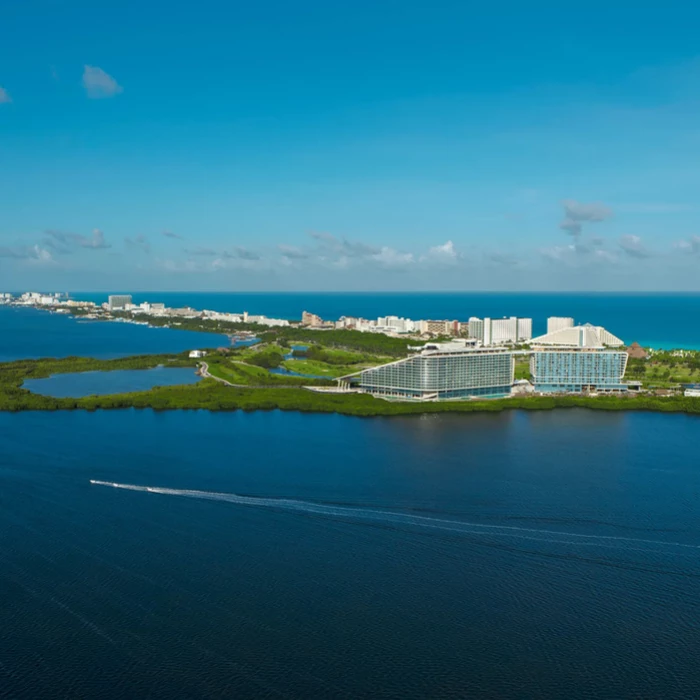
point(442, 376)
point(557, 371)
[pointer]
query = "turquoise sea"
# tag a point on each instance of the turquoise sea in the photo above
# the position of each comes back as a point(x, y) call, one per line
point(31, 333)
point(658, 319)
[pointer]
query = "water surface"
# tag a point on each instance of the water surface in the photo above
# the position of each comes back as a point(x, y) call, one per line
point(79, 384)
point(520, 555)
point(32, 333)
point(651, 318)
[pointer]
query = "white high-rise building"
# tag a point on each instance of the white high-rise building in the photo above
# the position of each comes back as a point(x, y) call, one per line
point(118, 301)
point(476, 328)
point(524, 329)
point(556, 323)
point(504, 330)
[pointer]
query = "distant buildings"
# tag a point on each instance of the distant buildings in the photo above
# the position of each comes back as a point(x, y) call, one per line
point(439, 328)
point(557, 323)
point(118, 302)
point(500, 331)
point(309, 319)
point(196, 354)
point(265, 321)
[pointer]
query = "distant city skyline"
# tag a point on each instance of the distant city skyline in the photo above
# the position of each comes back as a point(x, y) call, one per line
point(367, 147)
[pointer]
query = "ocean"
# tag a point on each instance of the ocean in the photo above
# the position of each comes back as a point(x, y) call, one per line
point(32, 333)
point(664, 320)
point(519, 555)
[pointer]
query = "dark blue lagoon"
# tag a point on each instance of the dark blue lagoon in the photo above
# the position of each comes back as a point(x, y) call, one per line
point(520, 555)
point(31, 333)
point(116, 382)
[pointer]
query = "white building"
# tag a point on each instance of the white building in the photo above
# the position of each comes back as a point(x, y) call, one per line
point(396, 324)
point(524, 329)
point(197, 353)
point(498, 331)
point(118, 301)
point(586, 336)
point(476, 328)
point(556, 323)
point(265, 321)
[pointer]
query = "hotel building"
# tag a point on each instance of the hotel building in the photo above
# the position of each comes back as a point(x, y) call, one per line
point(441, 371)
point(499, 331)
point(556, 323)
point(563, 370)
point(574, 359)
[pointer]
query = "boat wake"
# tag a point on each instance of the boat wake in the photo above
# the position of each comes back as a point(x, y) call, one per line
point(411, 520)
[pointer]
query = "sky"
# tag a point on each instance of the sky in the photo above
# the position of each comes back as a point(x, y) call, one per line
point(366, 145)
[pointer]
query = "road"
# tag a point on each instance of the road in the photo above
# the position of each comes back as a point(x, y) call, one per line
point(204, 371)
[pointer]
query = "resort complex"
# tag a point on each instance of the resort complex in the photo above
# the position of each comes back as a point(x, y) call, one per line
point(580, 363)
point(440, 360)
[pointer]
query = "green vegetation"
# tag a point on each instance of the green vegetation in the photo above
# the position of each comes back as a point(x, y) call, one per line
point(356, 341)
point(522, 367)
point(269, 358)
point(665, 369)
point(212, 395)
point(237, 372)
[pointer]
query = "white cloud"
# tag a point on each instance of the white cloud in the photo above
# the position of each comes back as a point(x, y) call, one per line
point(64, 243)
point(605, 255)
point(633, 246)
point(98, 84)
point(139, 242)
point(290, 252)
point(445, 253)
point(4, 96)
point(578, 213)
point(390, 257)
point(34, 254)
point(692, 245)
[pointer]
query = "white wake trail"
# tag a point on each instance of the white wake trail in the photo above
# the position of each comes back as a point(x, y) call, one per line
point(369, 514)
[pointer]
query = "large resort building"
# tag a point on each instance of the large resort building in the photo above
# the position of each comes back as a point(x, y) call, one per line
point(441, 371)
point(570, 360)
point(585, 370)
point(576, 359)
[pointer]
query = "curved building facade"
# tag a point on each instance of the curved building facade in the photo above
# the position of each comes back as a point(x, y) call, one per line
point(440, 373)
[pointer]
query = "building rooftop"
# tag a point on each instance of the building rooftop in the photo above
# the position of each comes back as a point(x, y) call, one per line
point(585, 336)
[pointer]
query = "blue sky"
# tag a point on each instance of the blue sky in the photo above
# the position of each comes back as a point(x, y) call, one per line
point(349, 146)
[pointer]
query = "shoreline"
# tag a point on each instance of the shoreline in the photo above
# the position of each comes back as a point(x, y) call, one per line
point(213, 395)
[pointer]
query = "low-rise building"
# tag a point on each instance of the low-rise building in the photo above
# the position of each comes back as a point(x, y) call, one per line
point(196, 354)
point(439, 327)
point(309, 319)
